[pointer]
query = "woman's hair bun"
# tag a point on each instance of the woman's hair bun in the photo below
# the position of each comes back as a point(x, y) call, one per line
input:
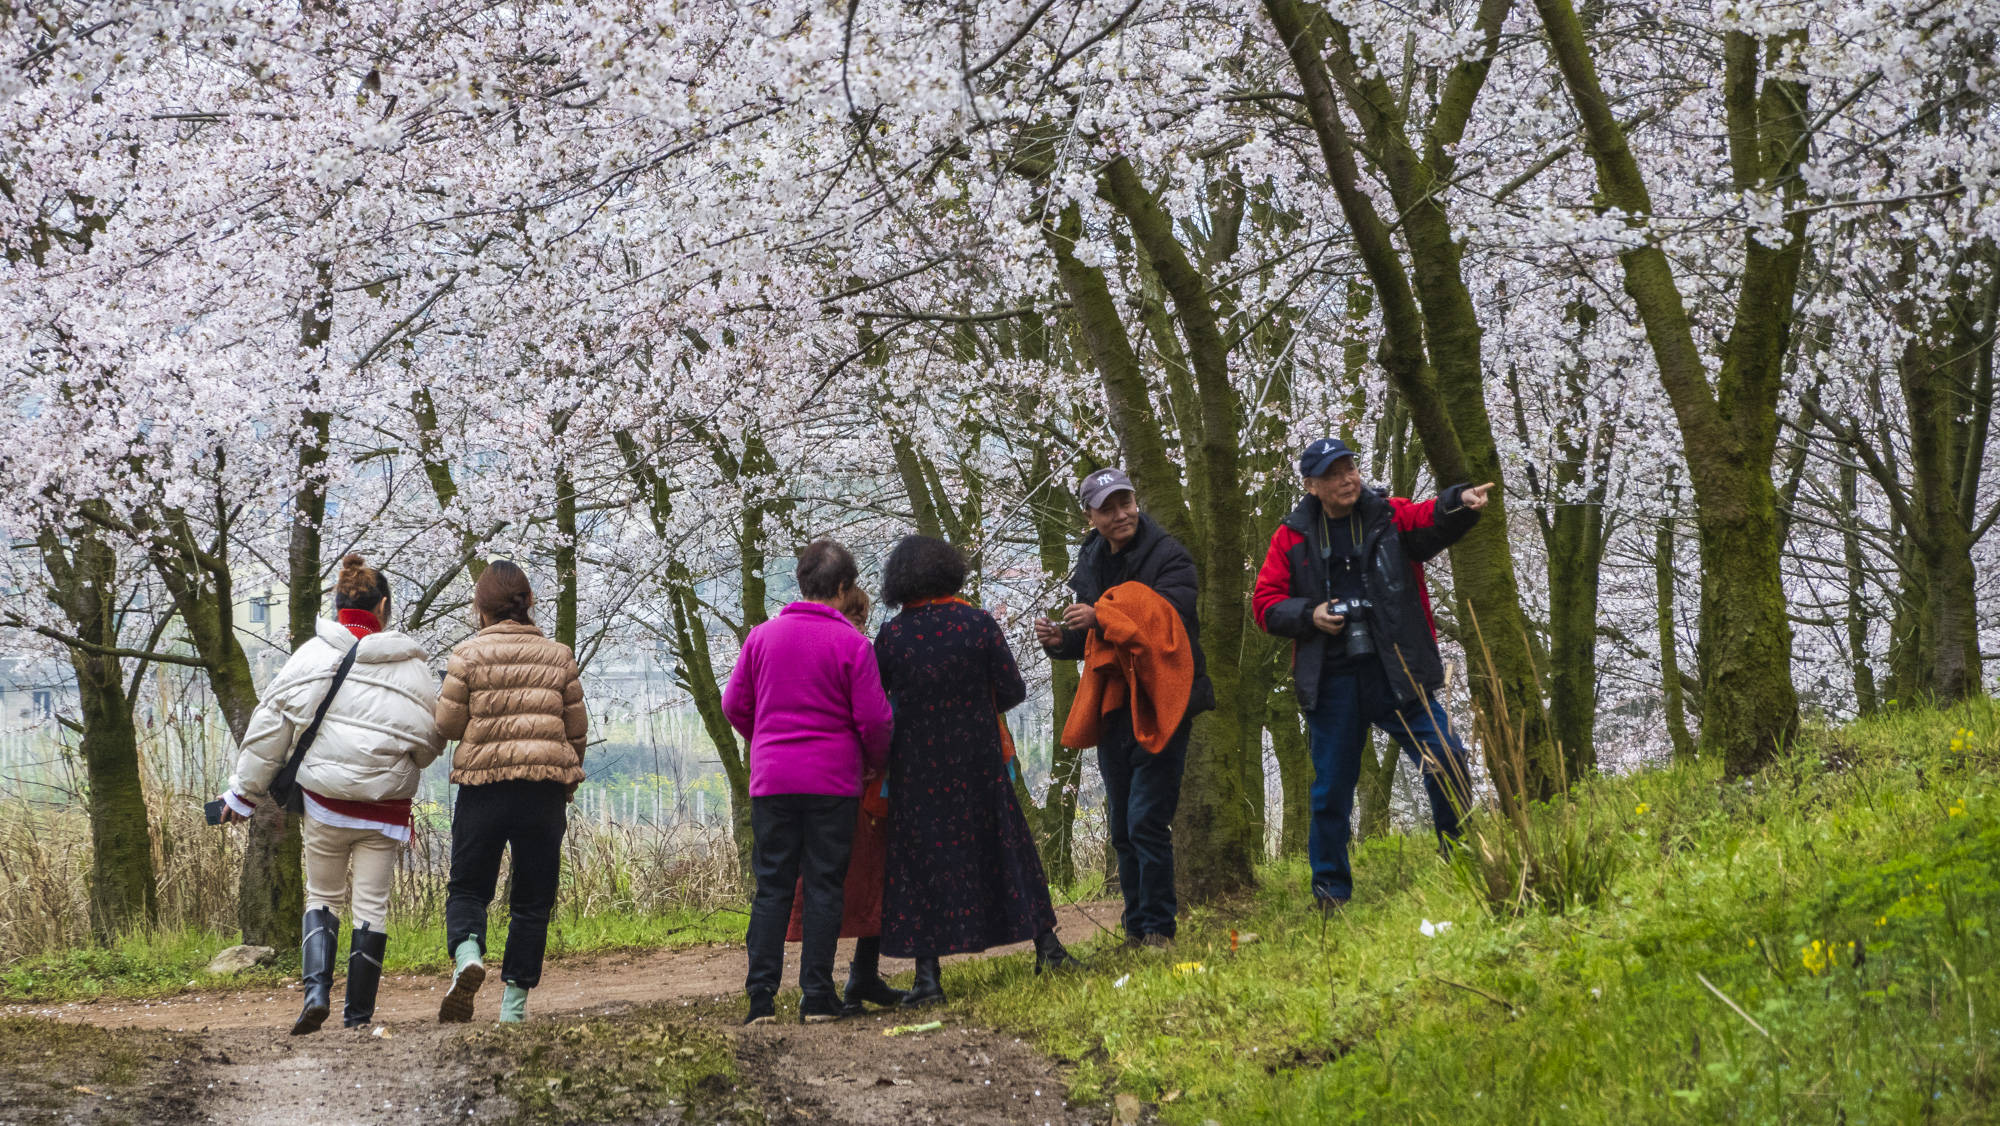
point(359, 585)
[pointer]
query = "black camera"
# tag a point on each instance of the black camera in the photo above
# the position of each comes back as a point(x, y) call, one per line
point(1355, 638)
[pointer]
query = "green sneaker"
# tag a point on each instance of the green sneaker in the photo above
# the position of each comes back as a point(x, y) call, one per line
point(513, 1004)
point(456, 1008)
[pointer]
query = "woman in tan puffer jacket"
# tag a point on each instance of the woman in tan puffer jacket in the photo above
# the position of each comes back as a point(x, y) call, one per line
point(513, 699)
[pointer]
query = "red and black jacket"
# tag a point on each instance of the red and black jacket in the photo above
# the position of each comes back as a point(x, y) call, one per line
point(1399, 537)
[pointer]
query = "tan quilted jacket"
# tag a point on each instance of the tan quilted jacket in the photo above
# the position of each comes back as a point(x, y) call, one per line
point(512, 699)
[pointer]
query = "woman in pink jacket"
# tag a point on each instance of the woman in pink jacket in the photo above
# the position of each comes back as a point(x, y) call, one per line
point(806, 695)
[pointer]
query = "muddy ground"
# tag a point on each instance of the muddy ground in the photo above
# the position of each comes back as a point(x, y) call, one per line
point(644, 1036)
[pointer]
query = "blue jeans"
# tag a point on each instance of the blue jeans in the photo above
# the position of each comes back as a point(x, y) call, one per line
point(1141, 791)
point(1349, 704)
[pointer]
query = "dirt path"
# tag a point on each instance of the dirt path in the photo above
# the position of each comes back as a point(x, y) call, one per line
point(409, 1070)
point(850, 1073)
point(599, 983)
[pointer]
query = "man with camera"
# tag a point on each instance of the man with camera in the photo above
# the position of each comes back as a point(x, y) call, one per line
point(1344, 579)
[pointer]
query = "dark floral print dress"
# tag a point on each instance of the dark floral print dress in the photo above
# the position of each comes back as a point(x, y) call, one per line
point(962, 873)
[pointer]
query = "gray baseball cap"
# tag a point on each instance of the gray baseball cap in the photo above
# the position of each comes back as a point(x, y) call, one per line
point(1098, 487)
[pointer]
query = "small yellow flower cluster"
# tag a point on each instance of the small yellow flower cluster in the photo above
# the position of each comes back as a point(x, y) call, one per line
point(1818, 956)
point(1957, 809)
point(1641, 808)
point(1961, 739)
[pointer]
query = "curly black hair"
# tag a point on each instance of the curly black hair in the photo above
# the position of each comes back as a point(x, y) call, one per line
point(921, 567)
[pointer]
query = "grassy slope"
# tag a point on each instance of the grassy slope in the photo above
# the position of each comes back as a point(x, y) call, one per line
point(1884, 834)
point(161, 963)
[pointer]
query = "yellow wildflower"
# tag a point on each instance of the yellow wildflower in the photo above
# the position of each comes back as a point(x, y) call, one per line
point(1641, 808)
point(1957, 809)
point(1815, 956)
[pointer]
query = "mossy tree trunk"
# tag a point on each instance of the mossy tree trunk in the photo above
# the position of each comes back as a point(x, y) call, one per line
point(83, 583)
point(1865, 701)
point(1218, 844)
point(694, 670)
point(1668, 626)
point(1750, 707)
point(1431, 331)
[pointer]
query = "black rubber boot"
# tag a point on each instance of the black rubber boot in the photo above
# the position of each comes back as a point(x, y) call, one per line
point(927, 990)
point(364, 974)
point(864, 979)
point(1050, 954)
point(316, 950)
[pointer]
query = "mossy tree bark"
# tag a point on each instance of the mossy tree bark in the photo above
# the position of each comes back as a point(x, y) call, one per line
point(1865, 701)
point(83, 583)
point(1673, 694)
point(1218, 842)
point(1431, 347)
point(1750, 707)
point(694, 670)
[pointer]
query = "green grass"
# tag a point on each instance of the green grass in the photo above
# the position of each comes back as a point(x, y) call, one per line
point(1883, 834)
point(160, 963)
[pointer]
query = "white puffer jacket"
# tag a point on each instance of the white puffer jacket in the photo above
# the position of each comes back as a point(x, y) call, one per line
point(378, 734)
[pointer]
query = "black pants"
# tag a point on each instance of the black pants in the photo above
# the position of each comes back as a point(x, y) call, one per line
point(530, 818)
point(1141, 791)
point(800, 838)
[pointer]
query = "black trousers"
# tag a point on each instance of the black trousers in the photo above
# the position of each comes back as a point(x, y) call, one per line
point(800, 839)
point(529, 818)
point(1141, 792)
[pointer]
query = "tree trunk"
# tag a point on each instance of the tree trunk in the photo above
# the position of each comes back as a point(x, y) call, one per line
point(271, 890)
point(1576, 554)
point(123, 889)
point(1379, 757)
point(1219, 845)
point(1750, 706)
point(1055, 816)
point(1428, 313)
point(1669, 633)
point(1857, 620)
point(566, 577)
point(1295, 769)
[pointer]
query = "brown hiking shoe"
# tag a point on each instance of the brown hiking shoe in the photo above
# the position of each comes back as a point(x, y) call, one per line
point(456, 1008)
point(1157, 943)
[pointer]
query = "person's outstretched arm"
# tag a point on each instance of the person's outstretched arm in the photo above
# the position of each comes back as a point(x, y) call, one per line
point(1429, 527)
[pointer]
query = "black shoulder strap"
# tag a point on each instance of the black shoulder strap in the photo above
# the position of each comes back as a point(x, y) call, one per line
point(287, 781)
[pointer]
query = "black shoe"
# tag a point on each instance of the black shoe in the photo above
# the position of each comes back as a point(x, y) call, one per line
point(365, 949)
point(1050, 955)
point(763, 1010)
point(864, 980)
point(927, 989)
point(819, 1008)
point(316, 950)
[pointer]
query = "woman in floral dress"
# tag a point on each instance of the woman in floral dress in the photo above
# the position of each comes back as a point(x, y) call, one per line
point(963, 874)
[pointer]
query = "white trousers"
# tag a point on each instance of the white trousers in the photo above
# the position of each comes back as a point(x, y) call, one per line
point(329, 850)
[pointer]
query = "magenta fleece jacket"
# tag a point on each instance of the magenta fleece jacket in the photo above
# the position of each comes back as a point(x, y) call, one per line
point(807, 696)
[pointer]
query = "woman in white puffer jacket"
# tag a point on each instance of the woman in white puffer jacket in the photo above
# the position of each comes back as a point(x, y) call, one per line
point(356, 779)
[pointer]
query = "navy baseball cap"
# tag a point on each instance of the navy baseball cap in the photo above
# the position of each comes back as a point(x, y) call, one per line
point(1098, 487)
point(1320, 454)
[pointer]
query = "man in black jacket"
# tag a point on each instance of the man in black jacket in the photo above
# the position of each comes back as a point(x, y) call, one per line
point(1344, 579)
point(1141, 788)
